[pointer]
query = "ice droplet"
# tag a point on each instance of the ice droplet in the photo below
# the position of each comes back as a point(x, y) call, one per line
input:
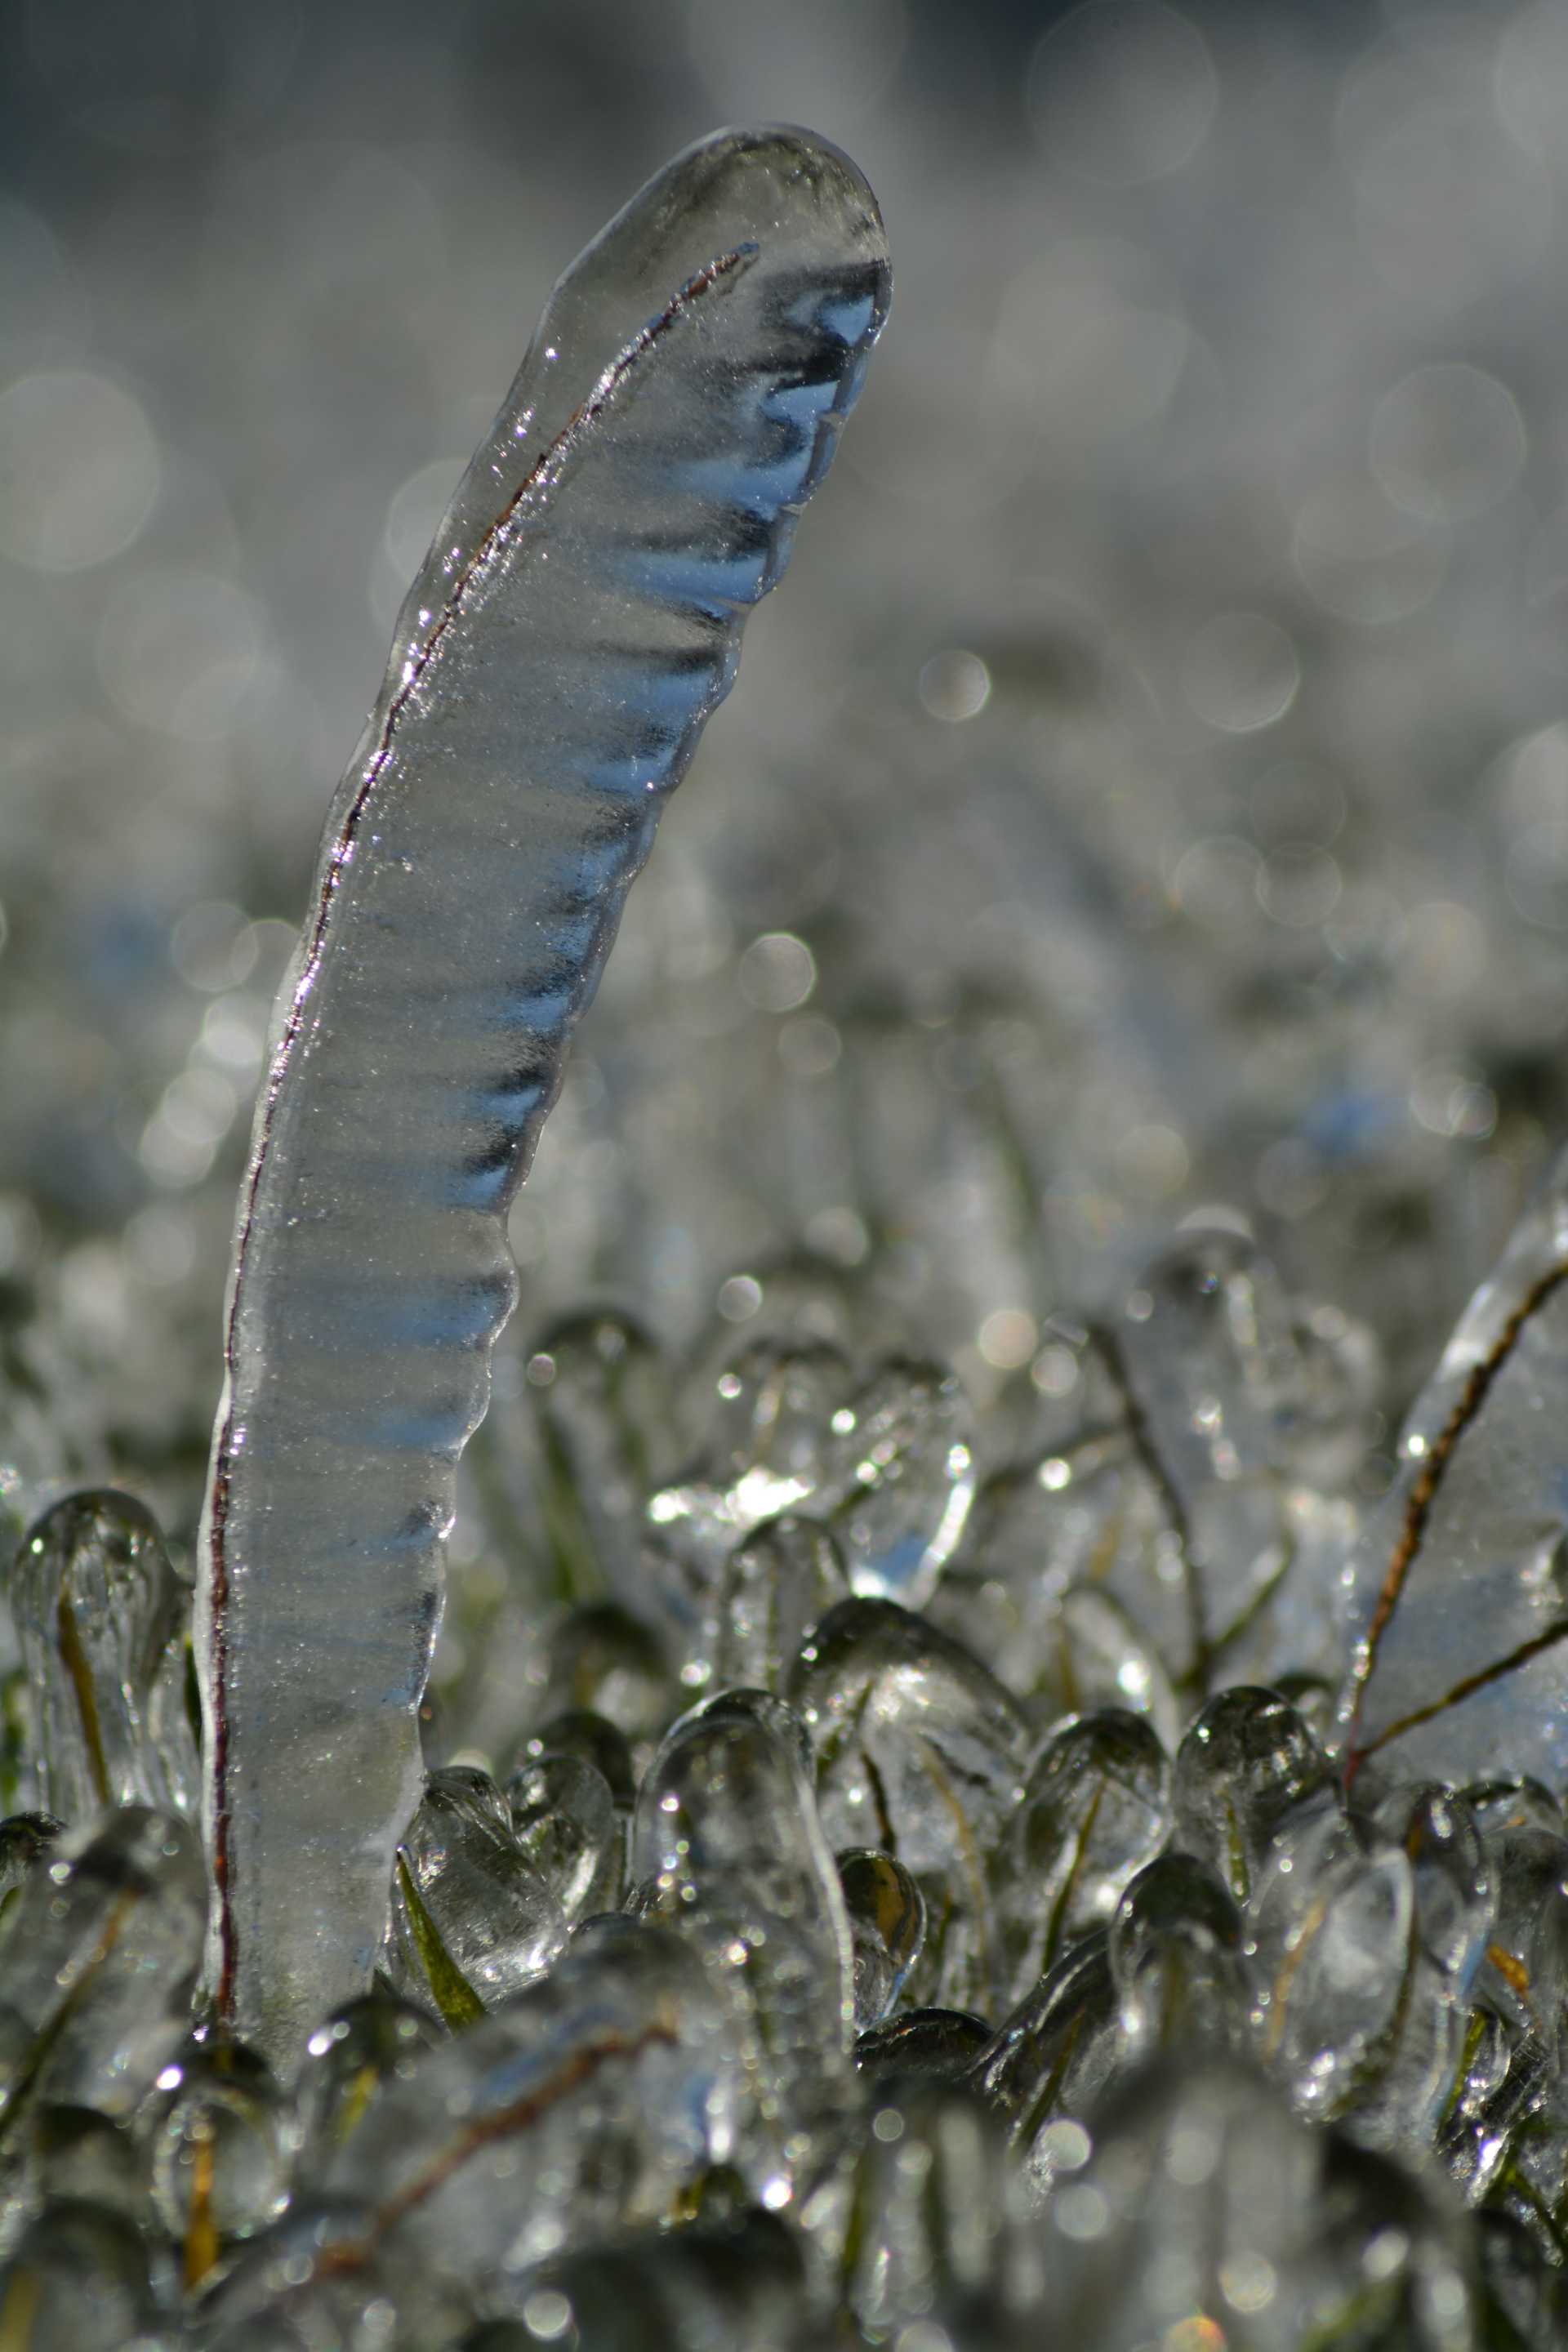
point(920, 1751)
point(82, 2276)
point(933, 2201)
point(564, 1819)
point(1243, 1764)
point(1094, 1810)
point(370, 2041)
point(774, 1586)
point(101, 1619)
point(218, 2146)
point(887, 1925)
point(472, 1919)
point(728, 1849)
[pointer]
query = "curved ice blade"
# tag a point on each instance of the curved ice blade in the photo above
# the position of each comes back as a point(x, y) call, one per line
point(577, 619)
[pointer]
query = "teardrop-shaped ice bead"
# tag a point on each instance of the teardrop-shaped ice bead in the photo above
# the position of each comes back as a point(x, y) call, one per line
point(1049, 2061)
point(564, 1819)
point(98, 1608)
point(1179, 1962)
point(1090, 1513)
point(740, 2282)
point(1206, 1346)
point(602, 1657)
point(729, 1849)
point(376, 2039)
point(80, 2281)
point(1523, 2291)
point(26, 1840)
point(1459, 1665)
point(1059, 1651)
point(217, 2138)
point(582, 1732)
point(1095, 1809)
point(1332, 1913)
point(1202, 2192)
point(1496, 2094)
point(1527, 1949)
point(796, 1298)
point(764, 1448)
point(919, 1752)
point(772, 1589)
point(887, 1926)
point(897, 1486)
point(933, 2204)
point(1453, 1902)
point(944, 2042)
point(76, 2154)
point(1454, 1888)
point(327, 2276)
point(473, 1920)
point(1244, 1764)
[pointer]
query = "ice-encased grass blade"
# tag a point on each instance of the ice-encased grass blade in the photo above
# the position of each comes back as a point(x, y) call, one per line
point(1459, 1668)
point(575, 624)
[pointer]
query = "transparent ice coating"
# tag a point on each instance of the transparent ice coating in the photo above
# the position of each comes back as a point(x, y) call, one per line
point(473, 1920)
point(897, 1485)
point(1208, 1352)
point(1246, 1763)
point(605, 1659)
point(1333, 1919)
point(370, 2041)
point(215, 2140)
point(932, 2203)
point(887, 1927)
point(765, 1451)
point(101, 1616)
point(1460, 1582)
point(727, 1847)
point(773, 1587)
point(1052, 2057)
point(98, 1960)
point(1178, 1961)
point(576, 620)
point(583, 2104)
point(564, 1819)
point(1095, 1809)
point(921, 1751)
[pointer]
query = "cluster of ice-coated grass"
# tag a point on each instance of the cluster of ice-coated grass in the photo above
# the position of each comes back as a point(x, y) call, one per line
point(992, 1951)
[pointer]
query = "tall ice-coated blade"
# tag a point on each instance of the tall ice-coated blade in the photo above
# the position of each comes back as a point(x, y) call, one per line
point(575, 624)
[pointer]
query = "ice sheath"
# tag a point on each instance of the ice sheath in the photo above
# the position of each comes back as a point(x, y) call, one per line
point(575, 624)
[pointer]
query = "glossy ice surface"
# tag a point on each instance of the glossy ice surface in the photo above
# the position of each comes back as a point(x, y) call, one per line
point(1461, 1600)
point(577, 619)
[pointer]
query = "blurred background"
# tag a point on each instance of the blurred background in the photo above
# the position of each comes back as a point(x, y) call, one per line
point(1148, 798)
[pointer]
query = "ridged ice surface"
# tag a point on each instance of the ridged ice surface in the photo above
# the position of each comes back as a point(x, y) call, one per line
point(576, 622)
